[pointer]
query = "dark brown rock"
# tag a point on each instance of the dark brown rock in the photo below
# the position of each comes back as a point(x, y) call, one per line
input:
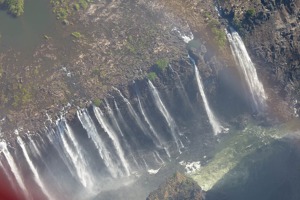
point(178, 187)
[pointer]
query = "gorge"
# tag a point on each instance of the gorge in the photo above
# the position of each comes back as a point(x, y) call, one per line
point(177, 102)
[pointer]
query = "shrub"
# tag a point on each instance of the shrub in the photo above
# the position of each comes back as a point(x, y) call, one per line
point(152, 76)
point(250, 12)
point(76, 6)
point(97, 102)
point(83, 4)
point(15, 7)
point(162, 64)
point(220, 36)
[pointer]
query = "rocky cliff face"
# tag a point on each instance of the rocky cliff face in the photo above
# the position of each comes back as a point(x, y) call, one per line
point(271, 31)
point(178, 187)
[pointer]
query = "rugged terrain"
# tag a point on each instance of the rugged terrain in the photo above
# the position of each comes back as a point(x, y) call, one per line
point(112, 43)
point(271, 32)
point(178, 187)
point(109, 44)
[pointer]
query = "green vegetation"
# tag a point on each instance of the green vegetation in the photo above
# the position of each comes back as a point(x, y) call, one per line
point(83, 4)
point(76, 35)
point(97, 102)
point(162, 64)
point(237, 23)
point(14, 7)
point(220, 36)
point(133, 45)
point(215, 28)
point(152, 76)
point(76, 6)
point(65, 8)
point(22, 97)
point(250, 13)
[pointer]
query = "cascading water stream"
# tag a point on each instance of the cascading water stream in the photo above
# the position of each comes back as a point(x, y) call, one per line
point(157, 138)
point(135, 115)
point(182, 90)
point(74, 157)
point(113, 136)
point(33, 169)
point(116, 124)
point(13, 168)
point(33, 146)
point(91, 130)
point(216, 126)
point(248, 70)
point(37, 153)
point(166, 115)
point(9, 177)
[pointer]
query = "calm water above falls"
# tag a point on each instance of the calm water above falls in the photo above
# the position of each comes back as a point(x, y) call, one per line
point(27, 31)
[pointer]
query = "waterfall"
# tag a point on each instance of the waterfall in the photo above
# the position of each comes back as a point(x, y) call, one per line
point(216, 126)
point(116, 124)
point(91, 130)
point(135, 115)
point(75, 157)
point(33, 147)
point(165, 113)
point(39, 155)
point(113, 136)
point(9, 177)
point(13, 168)
point(156, 136)
point(185, 38)
point(55, 141)
point(247, 68)
point(33, 169)
point(182, 90)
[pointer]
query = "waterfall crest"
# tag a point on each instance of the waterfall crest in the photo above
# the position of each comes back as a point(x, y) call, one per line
point(101, 147)
point(248, 70)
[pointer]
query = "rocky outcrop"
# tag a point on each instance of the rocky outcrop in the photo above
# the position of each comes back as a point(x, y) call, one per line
point(178, 187)
point(271, 31)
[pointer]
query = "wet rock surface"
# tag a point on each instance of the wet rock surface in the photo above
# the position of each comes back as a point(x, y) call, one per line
point(178, 187)
point(271, 31)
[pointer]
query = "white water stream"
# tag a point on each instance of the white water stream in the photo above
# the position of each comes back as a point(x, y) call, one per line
point(248, 70)
point(113, 136)
point(33, 169)
point(166, 115)
point(215, 124)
